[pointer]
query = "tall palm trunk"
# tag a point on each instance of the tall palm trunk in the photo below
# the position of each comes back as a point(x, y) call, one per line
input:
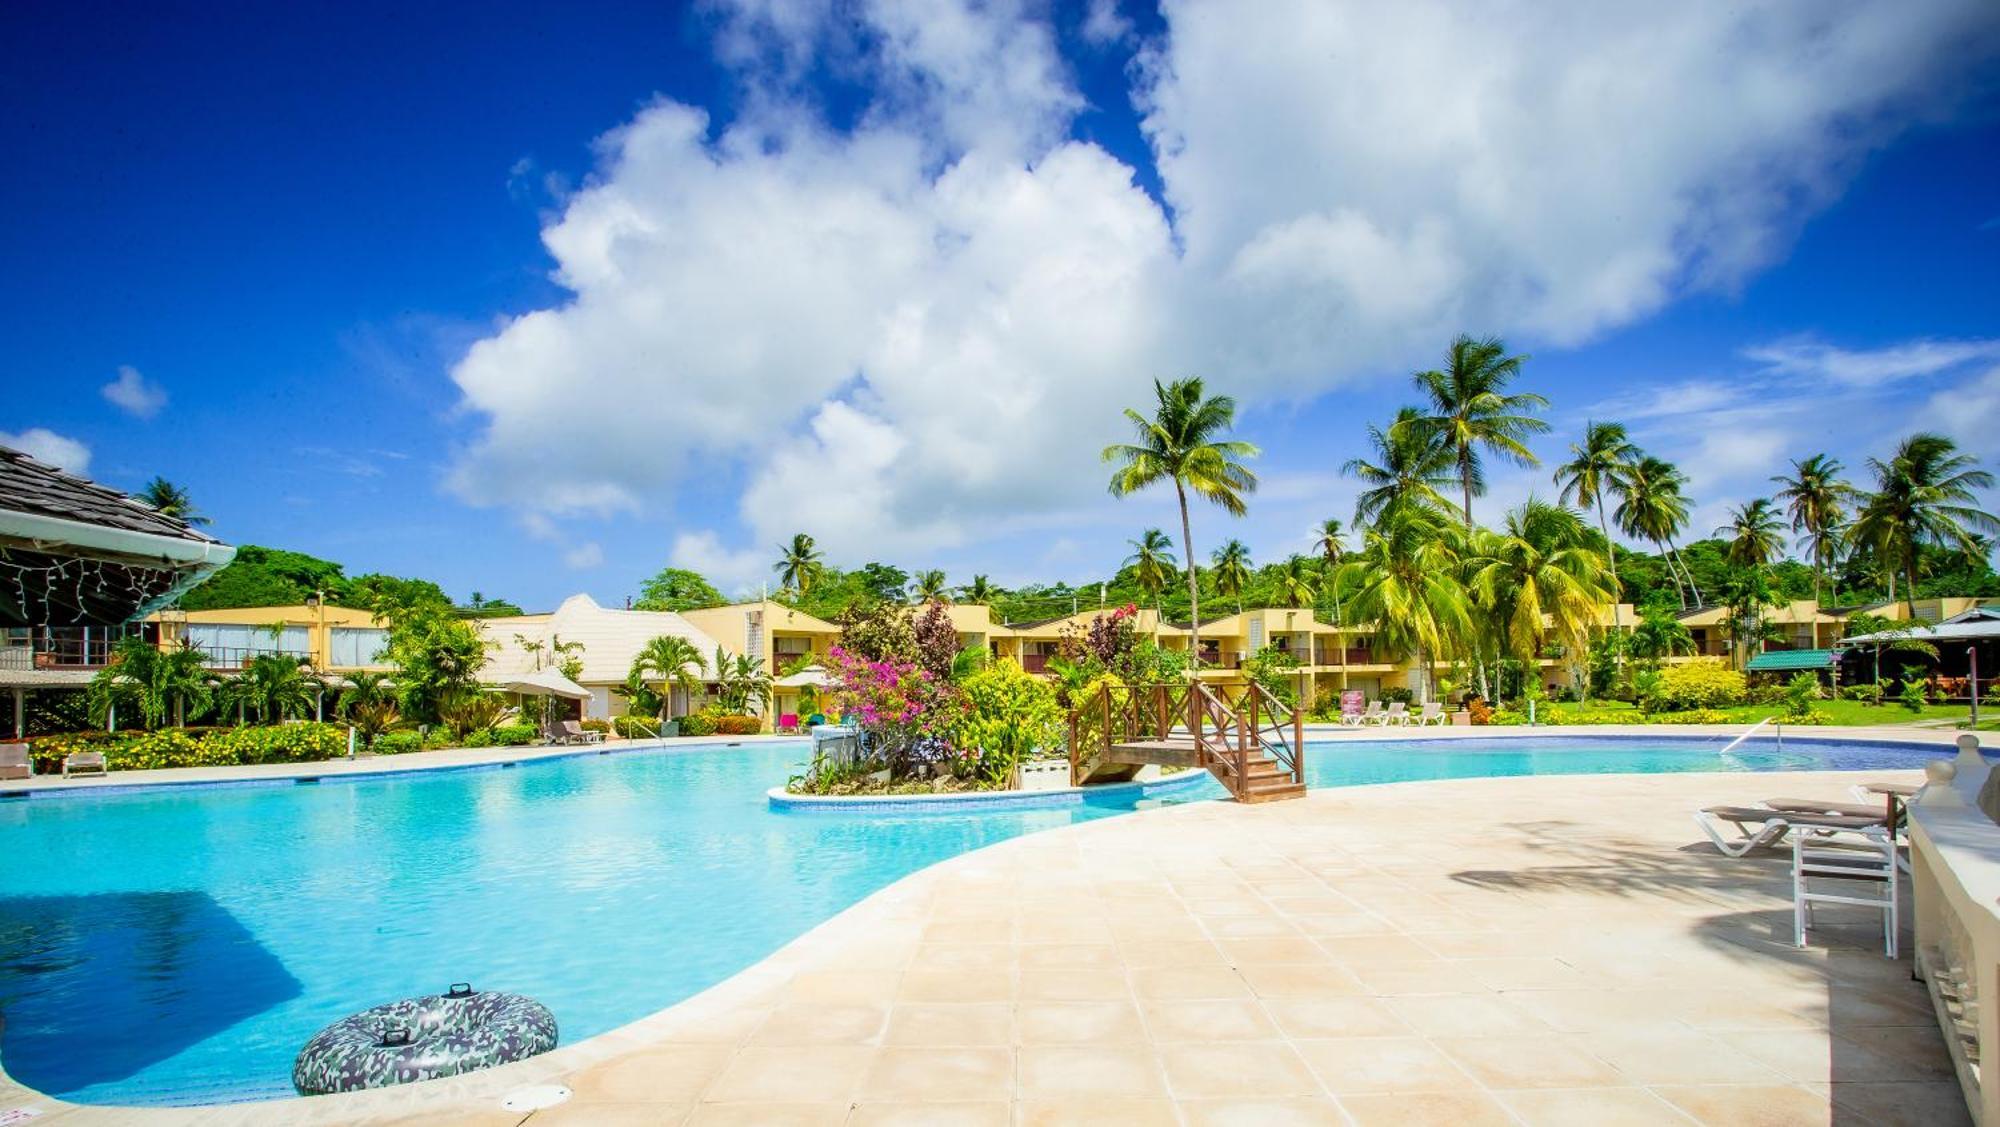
point(1194, 587)
point(1685, 573)
point(1611, 555)
point(1465, 480)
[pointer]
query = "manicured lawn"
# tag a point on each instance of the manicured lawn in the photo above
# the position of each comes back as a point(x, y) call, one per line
point(1835, 712)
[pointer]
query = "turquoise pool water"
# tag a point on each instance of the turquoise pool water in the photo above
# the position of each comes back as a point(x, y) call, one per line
point(178, 945)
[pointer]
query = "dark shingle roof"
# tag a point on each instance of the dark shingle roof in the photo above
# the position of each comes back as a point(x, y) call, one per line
point(29, 486)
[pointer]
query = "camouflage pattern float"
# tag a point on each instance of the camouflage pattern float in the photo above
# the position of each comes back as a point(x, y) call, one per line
point(422, 1039)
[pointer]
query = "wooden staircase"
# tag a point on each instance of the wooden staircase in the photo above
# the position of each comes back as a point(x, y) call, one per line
point(1255, 746)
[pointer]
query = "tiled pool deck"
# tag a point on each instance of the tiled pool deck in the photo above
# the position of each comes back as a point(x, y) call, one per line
point(1522, 950)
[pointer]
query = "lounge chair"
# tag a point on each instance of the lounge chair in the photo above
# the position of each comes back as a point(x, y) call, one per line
point(15, 762)
point(788, 723)
point(575, 733)
point(1356, 719)
point(1398, 713)
point(816, 719)
point(1433, 713)
point(1855, 857)
point(84, 763)
point(1760, 826)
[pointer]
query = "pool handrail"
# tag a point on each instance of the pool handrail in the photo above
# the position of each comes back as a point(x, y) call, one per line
point(1731, 746)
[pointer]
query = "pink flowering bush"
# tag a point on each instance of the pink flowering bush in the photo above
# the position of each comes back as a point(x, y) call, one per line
point(908, 712)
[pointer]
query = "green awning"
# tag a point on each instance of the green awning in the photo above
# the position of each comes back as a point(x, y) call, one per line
point(1785, 661)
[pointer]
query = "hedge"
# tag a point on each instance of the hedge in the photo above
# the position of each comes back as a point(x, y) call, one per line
point(1699, 684)
point(738, 725)
point(194, 747)
point(635, 727)
point(397, 743)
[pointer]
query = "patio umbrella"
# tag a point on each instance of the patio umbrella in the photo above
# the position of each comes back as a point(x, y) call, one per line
point(812, 676)
point(546, 683)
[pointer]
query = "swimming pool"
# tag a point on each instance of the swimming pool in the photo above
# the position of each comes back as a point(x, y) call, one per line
point(178, 945)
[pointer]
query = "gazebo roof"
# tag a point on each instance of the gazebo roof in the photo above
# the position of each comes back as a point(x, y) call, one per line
point(73, 552)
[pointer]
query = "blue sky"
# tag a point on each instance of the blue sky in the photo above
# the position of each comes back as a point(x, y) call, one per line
point(476, 294)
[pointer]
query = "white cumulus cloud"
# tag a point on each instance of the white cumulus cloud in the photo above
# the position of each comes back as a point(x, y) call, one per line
point(917, 332)
point(46, 445)
point(134, 394)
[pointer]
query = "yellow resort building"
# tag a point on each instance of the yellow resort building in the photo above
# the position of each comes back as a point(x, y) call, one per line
point(792, 645)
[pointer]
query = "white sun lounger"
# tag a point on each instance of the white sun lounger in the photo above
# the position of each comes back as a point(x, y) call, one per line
point(1759, 826)
point(1433, 713)
point(1396, 713)
point(1357, 719)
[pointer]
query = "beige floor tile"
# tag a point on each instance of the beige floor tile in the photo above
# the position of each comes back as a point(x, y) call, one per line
point(1096, 1113)
point(1236, 1069)
point(790, 1075)
point(1544, 1061)
point(1062, 929)
point(1305, 1018)
point(1170, 983)
point(1079, 1023)
point(768, 1115)
point(993, 1113)
point(1679, 1056)
point(1311, 1111)
point(1392, 949)
point(1069, 956)
point(938, 1074)
point(1465, 1015)
point(969, 931)
point(1591, 1107)
point(1207, 1019)
point(1299, 980)
point(1381, 1064)
point(1525, 974)
point(1271, 949)
point(1404, 980)
point(1938, 1103)
point(965, 958)
point(673, 1074)
point(1808, 1057)
point(574, 1114)
point(1138, 954)
point(1748, 1105)
point(922, 985)
point(1089, 1072)
point(1416, 1109)
point(817, 1024)
point(1073, 986)
point(842, 986)
point(947, 1024)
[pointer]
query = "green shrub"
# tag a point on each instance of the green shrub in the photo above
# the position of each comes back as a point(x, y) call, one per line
point(1011, 716)
point(478, 737)
point(734, 725)
point(282, 743)
point(1800, 693)
point(597, 726)
point(397, 743)
point(1912, 697)
point(1397, 693)
point(698, 723)
point(1700, 684)
point(514, 735)
point(635, 727)
point(1866, 694)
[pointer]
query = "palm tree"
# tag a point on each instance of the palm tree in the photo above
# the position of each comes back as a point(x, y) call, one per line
point(1298, 582)
point(1816, 499)
point(799, 564)
point(740, 680)
point(1543, 581)
point(1332, 546)
point(363, 689)
point(1659, 634)
point(1411, 467)
point(1405, 579)
point(1924, 494)
point(273, 686)
point(979, 592)
point(1747, 594)
point(1470, 409)
point(1652, 507)
point(1182, 443)
point(1232, 571)
point(171, 500)
point(1152, 562)
point(1753, 534)
point(673, 661)
point(181, 678)
point(1596, 467)
point(930, 587)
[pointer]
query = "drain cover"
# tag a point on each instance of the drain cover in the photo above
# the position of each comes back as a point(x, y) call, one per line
point(535, 1097)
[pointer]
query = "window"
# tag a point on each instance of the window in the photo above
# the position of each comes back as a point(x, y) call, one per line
point(233, 642)
point(357, 645)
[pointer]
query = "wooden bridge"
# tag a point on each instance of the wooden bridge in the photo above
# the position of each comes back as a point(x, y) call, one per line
point(1254, 745)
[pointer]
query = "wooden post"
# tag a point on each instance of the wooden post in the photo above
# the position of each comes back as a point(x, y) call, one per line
point(1298, 747)
point(1072, 748)
point(1242, 757)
